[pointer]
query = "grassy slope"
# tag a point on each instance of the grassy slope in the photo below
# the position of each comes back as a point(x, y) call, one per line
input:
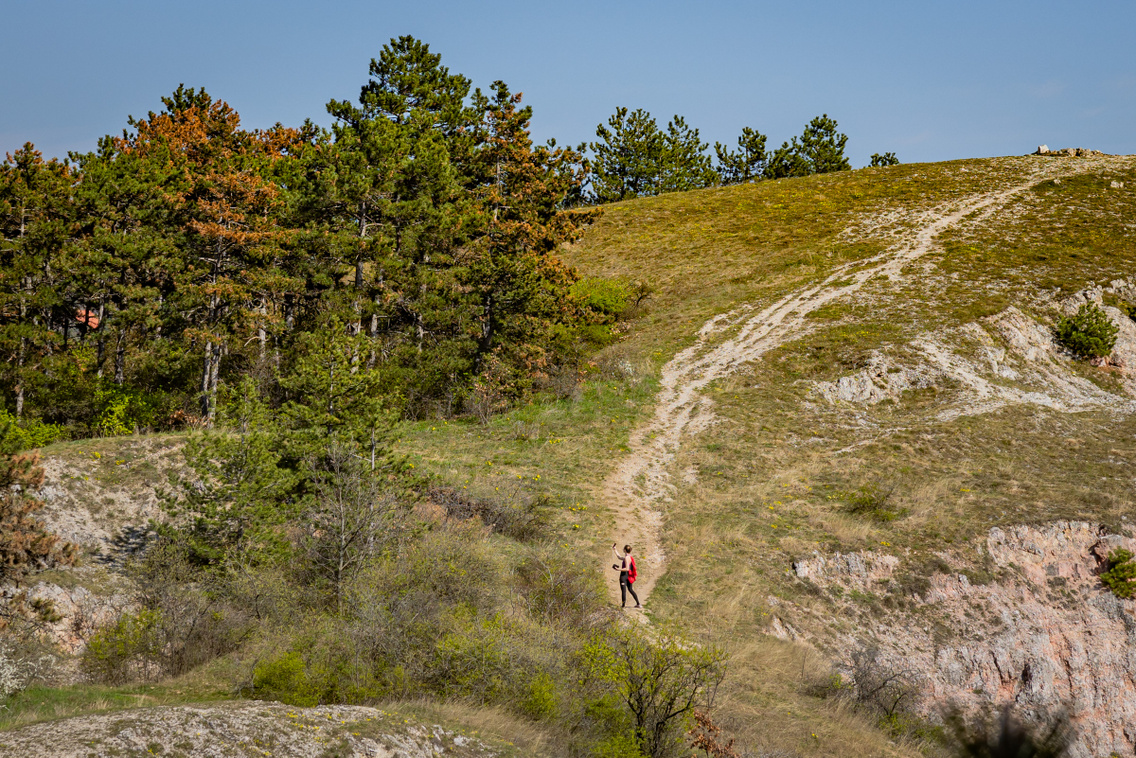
point(769, 462)
point(770, 481)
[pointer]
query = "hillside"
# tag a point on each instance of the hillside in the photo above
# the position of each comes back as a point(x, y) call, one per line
point(842, 439)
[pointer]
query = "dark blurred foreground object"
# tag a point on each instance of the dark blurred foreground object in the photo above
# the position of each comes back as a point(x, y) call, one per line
point(1006, 736)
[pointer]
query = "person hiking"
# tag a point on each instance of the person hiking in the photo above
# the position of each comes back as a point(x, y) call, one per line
point(627, 574)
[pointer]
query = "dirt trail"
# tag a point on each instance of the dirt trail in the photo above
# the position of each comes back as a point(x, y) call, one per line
point(639, 488)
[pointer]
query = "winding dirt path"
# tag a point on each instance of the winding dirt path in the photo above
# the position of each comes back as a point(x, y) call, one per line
point(639, 488)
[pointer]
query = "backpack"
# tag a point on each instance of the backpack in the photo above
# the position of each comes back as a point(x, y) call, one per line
point(631, 573)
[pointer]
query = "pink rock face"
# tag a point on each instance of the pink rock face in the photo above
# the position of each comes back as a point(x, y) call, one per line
point(1045, 634)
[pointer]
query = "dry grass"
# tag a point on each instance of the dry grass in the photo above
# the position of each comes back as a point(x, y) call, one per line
point(527, 738)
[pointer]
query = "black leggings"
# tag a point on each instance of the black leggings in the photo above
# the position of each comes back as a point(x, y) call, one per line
point(624, 588)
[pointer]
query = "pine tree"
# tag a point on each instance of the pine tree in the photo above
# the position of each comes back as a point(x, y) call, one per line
point(686, 165)
point(231, 505)
point(748, 163)
point(634, 158)
point(36, 223)
point(25, 543)
point(402, 209)
point(228, 214)
point(820, 150)
point(628, 159)
point(521, 287)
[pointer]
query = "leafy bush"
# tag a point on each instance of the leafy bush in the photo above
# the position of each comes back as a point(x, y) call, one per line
point(874, 502)
point(122, 410)
point(286, 678)
point(1120, 574)
point(1090, 333)
point(884, 159)
point(607, 298)
point(129, 649)
point(29, 434)
point(659, 682)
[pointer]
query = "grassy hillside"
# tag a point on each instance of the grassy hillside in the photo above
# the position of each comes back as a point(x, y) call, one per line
point(782, 471)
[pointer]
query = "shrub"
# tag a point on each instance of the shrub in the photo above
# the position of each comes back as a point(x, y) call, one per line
point(129, 649)
point(884, 159)
point(558, 592)
point(659, 681)
point(1120, 574)
point(25, 543)
point(888, 693)
point(20, 666)
point(121, 410)
point(286, 678)
point(29, 434)
point(874, 502)
point(1089, 333)
point(607, 298)
point(514, 512)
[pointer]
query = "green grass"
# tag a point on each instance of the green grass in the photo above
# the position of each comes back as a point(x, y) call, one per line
point(40, 703)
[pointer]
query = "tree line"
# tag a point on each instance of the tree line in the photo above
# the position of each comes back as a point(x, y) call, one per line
point(634, 157)
point(188, 252)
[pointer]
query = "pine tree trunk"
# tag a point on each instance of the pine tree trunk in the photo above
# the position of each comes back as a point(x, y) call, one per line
point(214, 373)
point(21, 358)
point(120, 358)
point(261, 333)
point(206, 374)
point(100, 352)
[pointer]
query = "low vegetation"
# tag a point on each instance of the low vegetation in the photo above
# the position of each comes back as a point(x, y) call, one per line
point(1089, 333)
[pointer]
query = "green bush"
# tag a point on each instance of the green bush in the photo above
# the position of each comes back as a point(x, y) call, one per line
point(286, 678)
point(128, 650)
point(659, 679)
point(874, 502)
point(1088, 334)
point(540, 703)
point(28, 434)
point(1120, 573)
point(121, 410)
point(607, 298)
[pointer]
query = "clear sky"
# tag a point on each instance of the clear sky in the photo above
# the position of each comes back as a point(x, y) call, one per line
point(928, 80)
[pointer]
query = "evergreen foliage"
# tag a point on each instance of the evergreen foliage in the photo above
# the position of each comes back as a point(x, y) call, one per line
point(189, 252)
point(1120, 573)
point(25, 543)
point(634, 158)
point(884, 159)
point(1089, 333)
point(819, 150)
point(747, 163)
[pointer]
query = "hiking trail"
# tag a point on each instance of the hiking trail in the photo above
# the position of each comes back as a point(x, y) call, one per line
point(639, 488)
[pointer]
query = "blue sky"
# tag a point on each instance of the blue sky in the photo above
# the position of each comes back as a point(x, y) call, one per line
point(928, 80)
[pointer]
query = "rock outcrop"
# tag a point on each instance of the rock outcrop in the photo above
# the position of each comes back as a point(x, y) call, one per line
point(244, 728)
point(1006, 359)
point(1040, 631)
point(1068, 152)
